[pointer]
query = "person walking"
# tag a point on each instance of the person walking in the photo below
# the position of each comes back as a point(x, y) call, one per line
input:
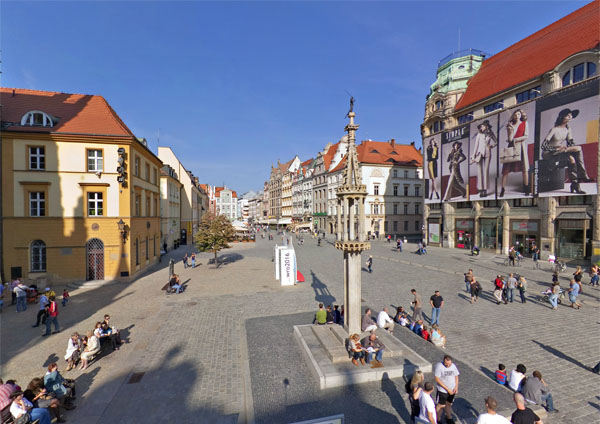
point(52, 309)
point(417, 305)
point(446, 379)
point(468, 280)
point(574, 290)
point(553, 298)
point(511, 285)
point(13, 284)
point(437, 303)
point(399, 245)
point(522, 286)
point(185, 261)
point(370, 264)
point(20, 292)
point(41, 316)
point(193, 260)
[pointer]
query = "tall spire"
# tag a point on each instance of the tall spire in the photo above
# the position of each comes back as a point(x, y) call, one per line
point(352, 175)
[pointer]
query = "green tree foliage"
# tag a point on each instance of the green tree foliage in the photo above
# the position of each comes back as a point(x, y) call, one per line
point(214, 234)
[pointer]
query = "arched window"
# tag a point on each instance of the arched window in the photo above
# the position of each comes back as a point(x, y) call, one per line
point(37, 118)
point(38, 256)
point(579, 72)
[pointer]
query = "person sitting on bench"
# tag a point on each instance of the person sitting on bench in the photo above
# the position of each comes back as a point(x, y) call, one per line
point(92, 348)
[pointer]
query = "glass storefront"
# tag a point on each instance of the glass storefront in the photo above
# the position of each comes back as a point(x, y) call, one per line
point(571, 239)
point(524, 235)
point(490, 233)
point(464, 233)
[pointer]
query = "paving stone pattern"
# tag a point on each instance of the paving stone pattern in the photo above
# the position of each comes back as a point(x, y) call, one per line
point(192, 347)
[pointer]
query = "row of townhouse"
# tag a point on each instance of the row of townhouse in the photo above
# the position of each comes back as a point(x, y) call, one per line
point(81, 197)
point(527, 126)
point(303, 194)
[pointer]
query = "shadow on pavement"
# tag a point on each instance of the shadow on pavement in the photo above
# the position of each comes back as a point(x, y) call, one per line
point(389, 388)
point(322, 293)
point(561, 355)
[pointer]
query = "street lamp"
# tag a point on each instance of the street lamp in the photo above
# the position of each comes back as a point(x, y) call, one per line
point(122, 230)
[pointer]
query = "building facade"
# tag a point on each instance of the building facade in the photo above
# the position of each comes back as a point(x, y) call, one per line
point(80, 193)
point(517, 162)
point(226, 202)
point(170, 207)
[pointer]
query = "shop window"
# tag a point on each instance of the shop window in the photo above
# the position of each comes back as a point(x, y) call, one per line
point(38, 256)
point(492, 107)
point(532, 93)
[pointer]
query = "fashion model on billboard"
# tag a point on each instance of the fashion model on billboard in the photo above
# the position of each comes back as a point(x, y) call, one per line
point(456, 183)
point(432, 166)
point(517, 130)
point(485, 141)
point(559, 144)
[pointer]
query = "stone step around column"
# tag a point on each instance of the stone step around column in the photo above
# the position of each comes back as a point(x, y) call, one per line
point(335, 350)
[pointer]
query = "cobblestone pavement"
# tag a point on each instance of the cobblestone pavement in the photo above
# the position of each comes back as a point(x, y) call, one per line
point(193, 351)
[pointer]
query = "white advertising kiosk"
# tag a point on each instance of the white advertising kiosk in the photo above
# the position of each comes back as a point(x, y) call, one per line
point(287, 266)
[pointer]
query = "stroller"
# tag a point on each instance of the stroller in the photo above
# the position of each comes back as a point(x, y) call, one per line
point(545, 295)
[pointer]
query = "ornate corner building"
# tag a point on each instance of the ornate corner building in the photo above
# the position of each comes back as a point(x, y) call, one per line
point(510, 158)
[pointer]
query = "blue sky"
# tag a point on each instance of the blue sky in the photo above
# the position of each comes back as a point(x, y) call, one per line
point(234, 86)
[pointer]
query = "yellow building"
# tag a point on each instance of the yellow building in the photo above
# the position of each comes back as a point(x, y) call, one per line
point(80, 193)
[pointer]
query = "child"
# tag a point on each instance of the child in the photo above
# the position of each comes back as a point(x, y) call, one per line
point(65, 297)
point(555, 277)
point(501, 374)
point(425, 333)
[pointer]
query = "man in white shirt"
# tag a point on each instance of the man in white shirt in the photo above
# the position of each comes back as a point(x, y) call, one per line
point(427, 414)
point(384, 321)
point(446, 379)
point(490, 417)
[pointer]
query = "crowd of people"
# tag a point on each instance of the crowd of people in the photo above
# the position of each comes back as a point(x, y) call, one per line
point(46, 396)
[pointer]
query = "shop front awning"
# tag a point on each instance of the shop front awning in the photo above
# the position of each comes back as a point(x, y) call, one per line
point(285, 221)
point(574, 216)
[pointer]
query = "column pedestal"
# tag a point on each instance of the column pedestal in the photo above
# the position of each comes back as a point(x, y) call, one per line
point(352, 285)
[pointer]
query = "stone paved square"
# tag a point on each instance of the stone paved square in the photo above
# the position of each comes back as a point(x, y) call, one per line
point(220, 351)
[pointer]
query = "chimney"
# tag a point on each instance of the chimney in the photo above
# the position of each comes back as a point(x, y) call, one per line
point(393, 142)
point(412, 143)
point(13, 92)
point(419, 150)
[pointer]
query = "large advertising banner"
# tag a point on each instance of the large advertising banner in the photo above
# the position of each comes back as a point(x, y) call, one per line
point(516, 136)
point(433, 174)
point(455, 168)
point(567, 145)
point(483, 158)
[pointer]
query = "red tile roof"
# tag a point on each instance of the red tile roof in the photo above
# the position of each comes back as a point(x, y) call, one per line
point(535, 55)
point(76, 113)
point(218, 191)
point(328, 157)
point(384, 153)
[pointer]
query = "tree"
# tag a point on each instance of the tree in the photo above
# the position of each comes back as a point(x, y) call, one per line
point(214, 234)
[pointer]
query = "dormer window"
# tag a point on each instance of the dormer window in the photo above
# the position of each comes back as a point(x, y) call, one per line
point(393, 152)
point(578, 73)
point(35, 118)
point(373, 151)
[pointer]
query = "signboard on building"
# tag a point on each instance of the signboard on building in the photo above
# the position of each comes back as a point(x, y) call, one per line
point(542, 148)
point(567, 142)
point(433, 172)
point(483, 158)
point(454, 164)
point(433, 233)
